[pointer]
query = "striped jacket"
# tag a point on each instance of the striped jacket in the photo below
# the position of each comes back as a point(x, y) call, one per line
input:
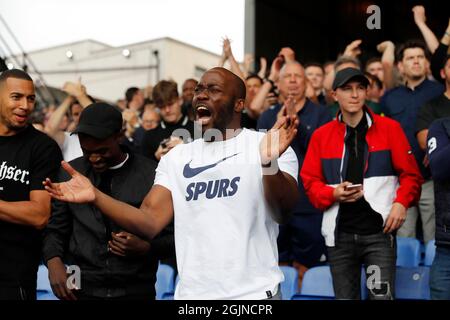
point(391, 173)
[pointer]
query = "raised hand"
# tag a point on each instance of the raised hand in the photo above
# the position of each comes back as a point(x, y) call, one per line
point(353, 49)
point(74, 89)
point(383, 46)
point(278, 139)
point(227, 48)
point(79, 189)
point(263, 67)
point(287, 53)
point(419, 15)
point(275, 68)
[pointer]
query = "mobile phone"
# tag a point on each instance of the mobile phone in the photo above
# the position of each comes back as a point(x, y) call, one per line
point(354, 187)
point(163, 143)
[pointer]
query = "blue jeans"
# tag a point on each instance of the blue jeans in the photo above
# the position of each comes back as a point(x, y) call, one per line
point(377, 252)
point(440, 274)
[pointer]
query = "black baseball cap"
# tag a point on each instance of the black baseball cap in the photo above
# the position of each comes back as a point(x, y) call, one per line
point(99, 120)
point(345, 75)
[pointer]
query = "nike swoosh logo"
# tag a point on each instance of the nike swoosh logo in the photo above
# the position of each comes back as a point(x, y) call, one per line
point(189, 172)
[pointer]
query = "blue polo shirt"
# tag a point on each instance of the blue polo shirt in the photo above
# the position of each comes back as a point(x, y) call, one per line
point(403, 104)
point(311, 116)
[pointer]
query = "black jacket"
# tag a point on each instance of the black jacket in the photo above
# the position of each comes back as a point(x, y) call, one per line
point(79, 234)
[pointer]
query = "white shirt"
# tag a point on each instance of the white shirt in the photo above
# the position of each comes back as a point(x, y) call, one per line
point(71, 148)
point(225, 237)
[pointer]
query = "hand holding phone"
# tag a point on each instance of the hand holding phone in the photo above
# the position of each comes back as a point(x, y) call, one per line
point(353, 187)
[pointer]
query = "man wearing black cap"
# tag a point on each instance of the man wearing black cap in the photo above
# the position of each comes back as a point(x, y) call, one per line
point(114, 264)
point(361, 171)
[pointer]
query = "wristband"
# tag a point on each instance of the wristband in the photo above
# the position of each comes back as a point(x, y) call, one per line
point(270, 81)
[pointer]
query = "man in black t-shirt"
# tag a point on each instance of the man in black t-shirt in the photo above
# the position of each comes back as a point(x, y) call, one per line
point(27, 157)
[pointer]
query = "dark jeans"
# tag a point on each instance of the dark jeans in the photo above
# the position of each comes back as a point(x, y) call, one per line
point(377, 252)
point(17, 293)
point(440, 274)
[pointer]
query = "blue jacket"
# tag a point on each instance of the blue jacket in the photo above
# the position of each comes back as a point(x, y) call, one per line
point(439, 155)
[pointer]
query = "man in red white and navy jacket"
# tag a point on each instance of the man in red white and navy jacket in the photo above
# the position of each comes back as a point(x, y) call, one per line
point(359, 222)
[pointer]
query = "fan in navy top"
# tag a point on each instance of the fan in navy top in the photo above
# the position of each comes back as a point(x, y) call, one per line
point(402, 104)
point(439, 153)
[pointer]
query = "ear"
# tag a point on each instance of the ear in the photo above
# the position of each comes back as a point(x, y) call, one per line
point(333, 94)
point(400, 66)
point(239, 105)
point(120, 135)
point(442, 73)
point(180, 101)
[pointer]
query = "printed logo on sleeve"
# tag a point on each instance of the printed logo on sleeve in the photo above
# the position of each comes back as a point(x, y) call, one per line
point(432, 145)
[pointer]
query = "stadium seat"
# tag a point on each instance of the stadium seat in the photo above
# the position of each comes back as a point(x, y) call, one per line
point(165, 277)
point(408, 252)
point(43, 288)
point(318, 285)
point(317, 281)
point(430, 251)
point(290, 284)
point(307, 297)
point(412, 283)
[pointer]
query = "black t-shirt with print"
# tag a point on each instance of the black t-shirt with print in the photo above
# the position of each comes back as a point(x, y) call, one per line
point(26, 159)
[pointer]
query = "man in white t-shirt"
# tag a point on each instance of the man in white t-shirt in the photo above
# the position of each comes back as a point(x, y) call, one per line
point(226, 191)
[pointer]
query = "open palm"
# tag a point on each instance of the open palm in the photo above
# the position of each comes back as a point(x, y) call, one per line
point(278, 139)
point(77, 190)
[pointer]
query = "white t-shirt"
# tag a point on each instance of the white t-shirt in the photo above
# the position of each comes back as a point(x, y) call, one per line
point(225, 237)
point(71, 148)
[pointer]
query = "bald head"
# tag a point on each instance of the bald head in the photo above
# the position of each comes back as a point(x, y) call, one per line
point(292, 81)
point(291, 64)
point(237, 83)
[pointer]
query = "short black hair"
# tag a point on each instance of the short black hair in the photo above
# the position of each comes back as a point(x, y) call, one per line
point(444, 62)
point(375, 79)
point(346, 59)
point(372, 60)
point(241, 90)
point(14, 73)
point(412, 44)
point(129, 94)
point(315, 64)
point(190, 80)
point(254, 76)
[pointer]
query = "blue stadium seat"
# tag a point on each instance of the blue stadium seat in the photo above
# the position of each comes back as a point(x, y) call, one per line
point(164, 280)
point(306, 297)
point(171, 294)
point(412, 283)
point(408, 252)
point(430, 251)
point(167, 296)
point(43, 288)
point(317, 281)
point(290, 284)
